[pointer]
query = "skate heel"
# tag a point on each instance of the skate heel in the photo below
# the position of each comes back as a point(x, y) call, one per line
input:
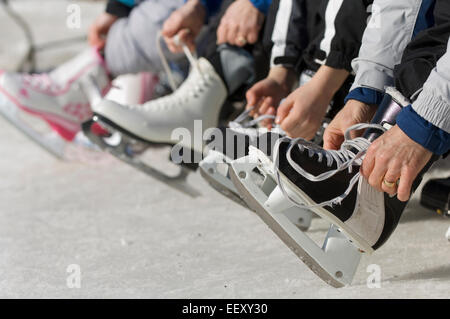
point(335, 261)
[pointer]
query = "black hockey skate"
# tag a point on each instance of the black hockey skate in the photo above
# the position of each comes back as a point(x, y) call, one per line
point(329, 183)
point(436, 196)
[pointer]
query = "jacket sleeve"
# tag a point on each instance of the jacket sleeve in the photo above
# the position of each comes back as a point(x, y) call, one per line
point(389, 30)
point(119, 8)
point(262, 5)
point(289, 36)
point(427, 121)
point(345, 32)
point(211, 6)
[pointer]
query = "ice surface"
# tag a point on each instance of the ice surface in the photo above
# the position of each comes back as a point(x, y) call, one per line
point(135, 237)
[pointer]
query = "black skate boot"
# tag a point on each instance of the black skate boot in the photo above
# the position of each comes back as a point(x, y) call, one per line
point(329, 184)
point(226, 144)
point(436, 195)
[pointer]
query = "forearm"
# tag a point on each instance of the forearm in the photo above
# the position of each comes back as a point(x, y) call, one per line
point(285, 77)
point(329, 80)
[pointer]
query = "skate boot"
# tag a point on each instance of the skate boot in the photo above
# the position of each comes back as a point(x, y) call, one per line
point(178, 120)
point(436, 195)
point(226, 144)
point(327, 182)
point(55, 97)
point(232, 143)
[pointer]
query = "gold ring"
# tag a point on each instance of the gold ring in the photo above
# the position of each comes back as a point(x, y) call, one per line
point(389, 184)
point(242, 40)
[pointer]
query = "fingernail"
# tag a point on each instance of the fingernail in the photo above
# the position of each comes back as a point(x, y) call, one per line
point(277, 120)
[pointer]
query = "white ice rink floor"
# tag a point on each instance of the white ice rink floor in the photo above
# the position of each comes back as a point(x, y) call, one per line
point(134, 237)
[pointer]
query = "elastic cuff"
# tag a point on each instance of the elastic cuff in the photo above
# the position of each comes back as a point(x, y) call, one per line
point(339, 60)
point(371, 75)
point(117, 9)
point(285, 61)
point(211, 6)
point(262, 5)
point(365, 95)
point(423, 132)
point(434, 108)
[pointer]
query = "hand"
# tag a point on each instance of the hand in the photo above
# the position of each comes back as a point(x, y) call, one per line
point(354, 112)
point(99, 30)
point(301, 114)
point(240, 25)
point(186, 22)
point(394, 157)
point(266, 95)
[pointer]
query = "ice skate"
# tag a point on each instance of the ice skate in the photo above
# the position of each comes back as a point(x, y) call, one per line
point(237, 138)
point(327, 182)
point(177, 120)
point(56, 98)
point(228, 144)
point(436, 195)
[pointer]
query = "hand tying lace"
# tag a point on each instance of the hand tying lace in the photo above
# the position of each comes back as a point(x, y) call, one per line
point(351, 153)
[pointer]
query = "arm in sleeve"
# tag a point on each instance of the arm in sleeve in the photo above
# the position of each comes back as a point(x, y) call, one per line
point(289, 36)
point(427, 121)
point(262, 5)
point(119, 8)
point(347, 30)
point(389, 30)
point(211, 6)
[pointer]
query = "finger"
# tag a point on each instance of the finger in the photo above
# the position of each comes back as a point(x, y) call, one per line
point(267, 102)
point(269, 122)
point(368, 163)
point(186, 37)
point(391, 176)
point(252, 95)
point(405, 184)
point(377, 175)
point(172, 46)
point(256, 110)
point(172, 25)
point(290, 122)
point(221, 33)
point(252, 36)
point(332, 139)
point(283, 110)
point(232, 35)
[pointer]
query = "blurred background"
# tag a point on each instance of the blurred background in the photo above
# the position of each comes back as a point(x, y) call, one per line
point(44, 30)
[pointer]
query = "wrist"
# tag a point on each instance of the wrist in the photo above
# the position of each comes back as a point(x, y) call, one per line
point(284, 77)
point(329, 80)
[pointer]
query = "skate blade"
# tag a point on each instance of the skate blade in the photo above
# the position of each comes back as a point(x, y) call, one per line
point(214, 169)
point(49, 141)
point(128, 149)
point(335, 262)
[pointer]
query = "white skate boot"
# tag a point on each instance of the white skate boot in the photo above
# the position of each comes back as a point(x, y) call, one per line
point(181, 117)
point(55, 97)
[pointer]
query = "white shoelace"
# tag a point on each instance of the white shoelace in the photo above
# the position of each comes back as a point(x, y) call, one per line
point(40, 82)
point(344, 158)
point(177, 97)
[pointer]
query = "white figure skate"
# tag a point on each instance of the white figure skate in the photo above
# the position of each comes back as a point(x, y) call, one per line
point(135, 129)
point(55, 97)
point(309, 177)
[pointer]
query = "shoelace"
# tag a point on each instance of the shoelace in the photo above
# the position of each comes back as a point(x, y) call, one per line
point(351, 153)
point(244, 123)
point(178, 97)
point(40, 82)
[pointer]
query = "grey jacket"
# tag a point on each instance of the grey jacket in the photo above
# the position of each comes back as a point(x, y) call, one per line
point(389, 31)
